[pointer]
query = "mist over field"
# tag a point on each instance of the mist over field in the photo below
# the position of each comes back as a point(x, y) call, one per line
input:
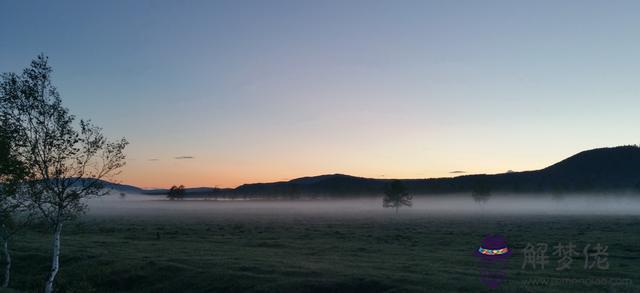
point(319, 146)
point(140, 205)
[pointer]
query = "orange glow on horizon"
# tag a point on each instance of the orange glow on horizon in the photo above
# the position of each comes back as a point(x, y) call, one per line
point(227, 171)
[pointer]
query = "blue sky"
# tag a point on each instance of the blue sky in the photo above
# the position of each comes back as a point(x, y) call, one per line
point(272, 90)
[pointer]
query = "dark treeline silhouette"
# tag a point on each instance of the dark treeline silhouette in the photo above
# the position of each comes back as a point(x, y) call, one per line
point(176, 192)
point(598, 170)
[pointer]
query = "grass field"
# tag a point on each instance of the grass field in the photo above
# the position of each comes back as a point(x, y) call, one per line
point(313, 252)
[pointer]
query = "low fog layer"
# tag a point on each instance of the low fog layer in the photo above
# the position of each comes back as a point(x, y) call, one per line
point(542, 204)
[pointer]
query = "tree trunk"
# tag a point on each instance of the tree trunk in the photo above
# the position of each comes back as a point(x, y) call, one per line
point(396, 210)
point(7, 264)
point(55, 261)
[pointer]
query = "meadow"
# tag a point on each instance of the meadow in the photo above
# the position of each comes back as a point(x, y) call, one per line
point(317, 246)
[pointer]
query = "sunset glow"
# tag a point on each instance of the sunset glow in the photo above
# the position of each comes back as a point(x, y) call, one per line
point(218, 94)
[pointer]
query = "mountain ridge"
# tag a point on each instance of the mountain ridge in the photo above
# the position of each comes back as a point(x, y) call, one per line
point(600, 169)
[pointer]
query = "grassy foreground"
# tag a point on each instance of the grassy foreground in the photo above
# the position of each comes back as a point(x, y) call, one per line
point(315, 253)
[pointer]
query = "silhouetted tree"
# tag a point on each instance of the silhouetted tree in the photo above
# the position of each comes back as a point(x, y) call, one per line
point(176, 192)
point(396, 195)
point(66, 162)
point(481, 191)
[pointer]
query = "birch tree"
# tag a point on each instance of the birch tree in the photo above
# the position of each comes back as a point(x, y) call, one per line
point(67, 161)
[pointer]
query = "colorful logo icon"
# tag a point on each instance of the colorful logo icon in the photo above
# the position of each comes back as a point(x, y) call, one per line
point(493, 254)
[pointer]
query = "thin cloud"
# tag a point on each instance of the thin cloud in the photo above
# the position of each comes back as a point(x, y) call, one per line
point(183, 157)
point(458, 172)
point(154, 159)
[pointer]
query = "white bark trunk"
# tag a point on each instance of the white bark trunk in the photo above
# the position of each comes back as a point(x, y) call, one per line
point(7, 264)
point(55, 261)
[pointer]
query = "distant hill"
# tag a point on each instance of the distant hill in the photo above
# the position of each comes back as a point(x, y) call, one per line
point(334, 184)
point(123, 187)
point(603, 169)
point(120, 187)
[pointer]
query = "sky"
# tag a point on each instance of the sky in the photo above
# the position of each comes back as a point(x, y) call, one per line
point(221, 93)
